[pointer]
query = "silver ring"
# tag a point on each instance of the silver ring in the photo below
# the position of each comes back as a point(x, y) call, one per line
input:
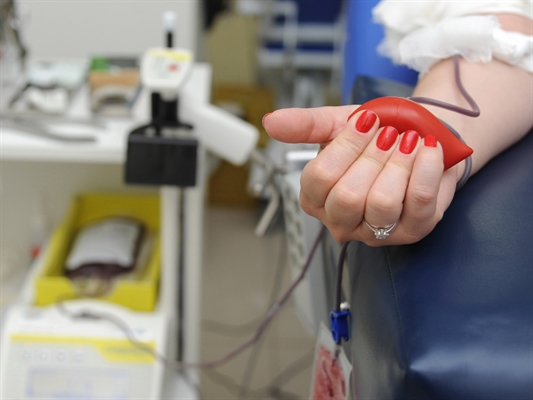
point(381, 233)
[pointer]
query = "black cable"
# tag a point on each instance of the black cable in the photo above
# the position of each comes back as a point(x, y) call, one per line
point(338, 285)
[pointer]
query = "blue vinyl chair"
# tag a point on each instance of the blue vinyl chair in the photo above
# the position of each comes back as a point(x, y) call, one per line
point(360, 56)
point(449, 317)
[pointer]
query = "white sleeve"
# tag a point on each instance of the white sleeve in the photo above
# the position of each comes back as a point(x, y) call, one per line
point(420, 33)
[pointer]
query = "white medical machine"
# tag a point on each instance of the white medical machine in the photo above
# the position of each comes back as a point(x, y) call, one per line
point(46, 354)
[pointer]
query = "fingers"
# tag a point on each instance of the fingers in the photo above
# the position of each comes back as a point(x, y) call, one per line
point(323, 173)
point(412, 192)
point(367, 174)
point(420, 211)
point(396, 179)
point(313, 125)
point(346, 203)
point(385, 200)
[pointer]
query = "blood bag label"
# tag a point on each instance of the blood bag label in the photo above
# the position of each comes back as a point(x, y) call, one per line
point(331, 371)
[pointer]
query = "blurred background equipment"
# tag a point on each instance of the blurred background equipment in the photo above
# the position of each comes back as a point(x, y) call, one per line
point(12, 50)
point(302, 40)
point(48, 87)
point(114, 85)
point(78, 147)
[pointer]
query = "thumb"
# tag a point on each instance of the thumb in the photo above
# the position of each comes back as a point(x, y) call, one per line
point(307, 125)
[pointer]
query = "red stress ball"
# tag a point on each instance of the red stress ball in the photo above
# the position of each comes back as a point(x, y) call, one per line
point(404, 115)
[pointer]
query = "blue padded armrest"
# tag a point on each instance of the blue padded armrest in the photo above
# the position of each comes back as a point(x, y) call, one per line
point(451, 317)
point(363, 36)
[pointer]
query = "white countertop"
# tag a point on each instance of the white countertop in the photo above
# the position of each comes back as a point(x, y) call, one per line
point(110, 138)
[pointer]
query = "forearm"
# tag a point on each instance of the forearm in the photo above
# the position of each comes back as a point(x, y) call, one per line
point(503, 92)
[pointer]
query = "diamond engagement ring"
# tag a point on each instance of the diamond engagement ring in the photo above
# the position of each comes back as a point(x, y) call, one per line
point(381, 233)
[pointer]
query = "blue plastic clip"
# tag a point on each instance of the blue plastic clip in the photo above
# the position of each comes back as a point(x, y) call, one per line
point(340, 322)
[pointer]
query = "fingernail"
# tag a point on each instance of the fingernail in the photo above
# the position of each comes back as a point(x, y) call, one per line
point(408, 142)
point(264, 117)
point(366, 121)
point(387, 138)
point(430, 141)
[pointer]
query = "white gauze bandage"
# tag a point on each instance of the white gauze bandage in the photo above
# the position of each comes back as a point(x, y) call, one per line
point(477, 38)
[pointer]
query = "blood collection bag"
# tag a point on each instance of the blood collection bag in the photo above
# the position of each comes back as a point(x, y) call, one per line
point(331, 371)
point(105, 249)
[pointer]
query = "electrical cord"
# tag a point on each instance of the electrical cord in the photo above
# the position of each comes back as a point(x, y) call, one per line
point(338, 284)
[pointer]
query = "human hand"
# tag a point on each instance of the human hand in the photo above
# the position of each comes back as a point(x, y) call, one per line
point(366, 173)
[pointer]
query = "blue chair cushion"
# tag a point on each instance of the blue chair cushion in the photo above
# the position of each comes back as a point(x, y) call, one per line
point(451, 317)
point(360, 51)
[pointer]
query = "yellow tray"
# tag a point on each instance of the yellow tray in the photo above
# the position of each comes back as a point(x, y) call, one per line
point(140, 294)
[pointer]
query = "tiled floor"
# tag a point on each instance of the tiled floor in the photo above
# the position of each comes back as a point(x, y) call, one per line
point(241, 271)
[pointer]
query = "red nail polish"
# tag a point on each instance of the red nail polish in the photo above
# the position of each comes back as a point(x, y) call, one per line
point(408, 142)
point(264, 116)
point(430, 141)
point(366, 121)
point(387, 138)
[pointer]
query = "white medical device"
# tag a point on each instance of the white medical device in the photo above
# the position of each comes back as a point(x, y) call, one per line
point(46, 354)
point(165, 70)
